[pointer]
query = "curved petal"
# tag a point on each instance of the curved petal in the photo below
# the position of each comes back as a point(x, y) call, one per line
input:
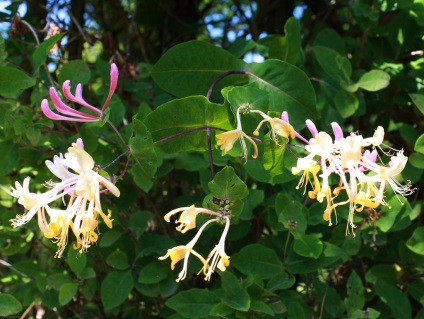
point(110, 186)
point(64, 109)
point(114, 73)
point(53, 116)
point(77, 98)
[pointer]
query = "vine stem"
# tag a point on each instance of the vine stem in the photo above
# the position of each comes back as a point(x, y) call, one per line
point(285, 247)
point(128, 152)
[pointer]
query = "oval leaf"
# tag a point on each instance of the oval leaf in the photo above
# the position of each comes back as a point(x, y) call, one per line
point(115, 288)
point(190, 68)
point(9, 305)
point(374, 80)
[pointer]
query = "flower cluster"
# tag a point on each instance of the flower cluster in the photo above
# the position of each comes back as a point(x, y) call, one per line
point(362, 174)
point(80, 186)
point(216, 258)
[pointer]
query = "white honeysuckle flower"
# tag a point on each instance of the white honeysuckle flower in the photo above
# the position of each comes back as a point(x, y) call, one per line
point(216, 258)
point(362, 179)
point(183, 252)
point(226, 140)
point(83, 208)
point(188, 216)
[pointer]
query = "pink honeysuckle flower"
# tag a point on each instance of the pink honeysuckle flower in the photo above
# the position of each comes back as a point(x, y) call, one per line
point(67, 113)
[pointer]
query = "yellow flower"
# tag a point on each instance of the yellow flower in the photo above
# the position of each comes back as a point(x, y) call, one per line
point(217, 257)
point(226, 140)
point(183, 252)
point(278, 127)
point(308, 166)
point(188, 216)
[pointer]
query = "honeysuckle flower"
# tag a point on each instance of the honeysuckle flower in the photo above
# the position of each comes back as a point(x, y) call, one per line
point(83, 208)
point(188, 216)
point(362, 179)
point(183, 252)
point(226, 140)
point(67, 113)
point(216, 258)
point(308, 165)
point(279, 127)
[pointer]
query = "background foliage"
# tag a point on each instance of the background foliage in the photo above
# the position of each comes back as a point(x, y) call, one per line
point(359, 63)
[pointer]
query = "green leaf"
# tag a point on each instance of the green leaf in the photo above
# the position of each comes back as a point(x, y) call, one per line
point(109, 238)
point(418, 100)
point(291, 214)
point(370, 313)
point(221, 309)
point(416, 241)
point(329, 298)
point(142, 150)
point(191, 67)
point(281, 281)
point(335, 65)
point(396, 215)
point(273, 157)
point(346, 103)
point(234, 294)
point(241, 46)
point(42, 51)
point(118, 260)
point(257, 259)
point(67, 292)
point(308, 246)
point(193, 303)
point(227, 185)
point(3, 52)
point(76, 71)
point(9, 154)
point(301, 265)
point(261, 307)
point(9, 305)
point(245, 95)
point(355, 293)
point(186, 119)
point(419, 145)
point(374, 80)
point(13, 81)
point(289, 88)
point(153, 273)
point(287, 48)
point(394, 298)
point(56, 281)
point(295, 311)
point(138, 222)
point(76, 261)
point(387, 273)
point(115, 288)
point(417, 160)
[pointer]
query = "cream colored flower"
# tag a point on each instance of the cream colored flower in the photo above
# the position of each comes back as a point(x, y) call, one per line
point(362, 179)
point(226, 140)
point(83, 208)
point(217, 257)
point(278, 127)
